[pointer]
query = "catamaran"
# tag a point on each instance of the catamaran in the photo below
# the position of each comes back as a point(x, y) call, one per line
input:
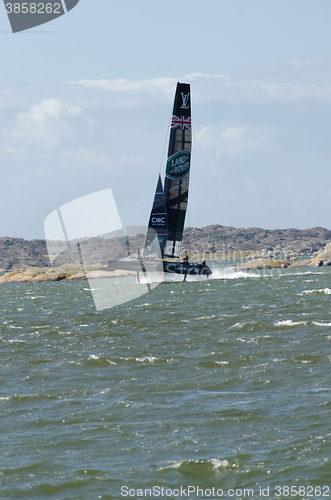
point(170, 204)
point(166, 222)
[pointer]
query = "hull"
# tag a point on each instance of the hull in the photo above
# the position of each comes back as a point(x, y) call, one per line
point(186, 269)
point(165, 266)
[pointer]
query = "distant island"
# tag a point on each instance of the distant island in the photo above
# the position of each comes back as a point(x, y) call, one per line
point(222, 242)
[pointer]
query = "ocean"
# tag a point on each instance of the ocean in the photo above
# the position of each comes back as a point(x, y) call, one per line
point(203, 389)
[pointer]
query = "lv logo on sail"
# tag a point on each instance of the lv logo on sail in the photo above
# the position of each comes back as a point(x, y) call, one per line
point(185, 104)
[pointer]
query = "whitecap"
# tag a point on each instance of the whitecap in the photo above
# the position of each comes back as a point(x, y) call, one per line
point(218, 463)
point(238, 325)
point(215, 462)
point(327, 291)
point(151, 359)
point(206, 317)
point(230, 273)
point(289, 322)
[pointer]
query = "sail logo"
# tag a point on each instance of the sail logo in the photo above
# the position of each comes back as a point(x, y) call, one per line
point(178, 165)
point(185, 101)
point(162, 241)
point(26, 14)
point(158, 220)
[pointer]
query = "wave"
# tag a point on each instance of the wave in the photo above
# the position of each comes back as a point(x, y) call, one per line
point(327, 291)
point(198, 468)
point(289, 322)
point(230, 273)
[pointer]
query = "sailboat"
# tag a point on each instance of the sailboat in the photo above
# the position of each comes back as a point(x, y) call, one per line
point(166, 222)
point(170, 204)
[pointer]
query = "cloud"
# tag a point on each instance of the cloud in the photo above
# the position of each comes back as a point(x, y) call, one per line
point(153, 85)
point(294, 81)
point(231, 141)
point(46, 124)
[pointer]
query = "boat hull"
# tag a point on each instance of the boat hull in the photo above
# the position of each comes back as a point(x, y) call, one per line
point(165, 266)
point(186, 269)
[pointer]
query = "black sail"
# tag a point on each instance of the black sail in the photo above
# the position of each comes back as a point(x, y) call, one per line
point(178, 169)
point(157, 233)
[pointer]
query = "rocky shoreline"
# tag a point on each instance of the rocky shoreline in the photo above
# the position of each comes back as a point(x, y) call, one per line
point(35, 275)
point(260, 263)
point(17, 253)
point(64, 273)
point(28, 261)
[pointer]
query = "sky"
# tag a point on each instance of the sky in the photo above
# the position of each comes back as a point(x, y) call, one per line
point(86, 101)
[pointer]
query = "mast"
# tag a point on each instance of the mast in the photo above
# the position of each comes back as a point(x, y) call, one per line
point(178, 169)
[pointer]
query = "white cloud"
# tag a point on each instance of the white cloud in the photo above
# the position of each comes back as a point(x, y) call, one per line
point(153, 85)
point(231, 141)
point(294, 81)
point(45, 124)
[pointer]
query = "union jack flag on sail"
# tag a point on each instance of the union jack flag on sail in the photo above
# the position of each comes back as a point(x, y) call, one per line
point(182, 122)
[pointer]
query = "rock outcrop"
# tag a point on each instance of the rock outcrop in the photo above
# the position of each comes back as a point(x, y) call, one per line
point(324, 256)
point(262, 264)
point(17, 253)
point(58, 274)
point(224, 239)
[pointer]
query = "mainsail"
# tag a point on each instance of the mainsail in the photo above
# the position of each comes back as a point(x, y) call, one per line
point(157, 233)
point(178, 169)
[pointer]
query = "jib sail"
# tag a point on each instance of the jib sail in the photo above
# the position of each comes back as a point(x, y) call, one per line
point(157, 224)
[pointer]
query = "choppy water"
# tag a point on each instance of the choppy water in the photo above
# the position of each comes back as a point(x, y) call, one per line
point(219, 384)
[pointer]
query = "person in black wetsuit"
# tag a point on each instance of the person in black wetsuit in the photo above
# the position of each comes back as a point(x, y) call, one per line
point(186, 259)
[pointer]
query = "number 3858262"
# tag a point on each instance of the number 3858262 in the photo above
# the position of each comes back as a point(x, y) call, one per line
point(33, 8)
